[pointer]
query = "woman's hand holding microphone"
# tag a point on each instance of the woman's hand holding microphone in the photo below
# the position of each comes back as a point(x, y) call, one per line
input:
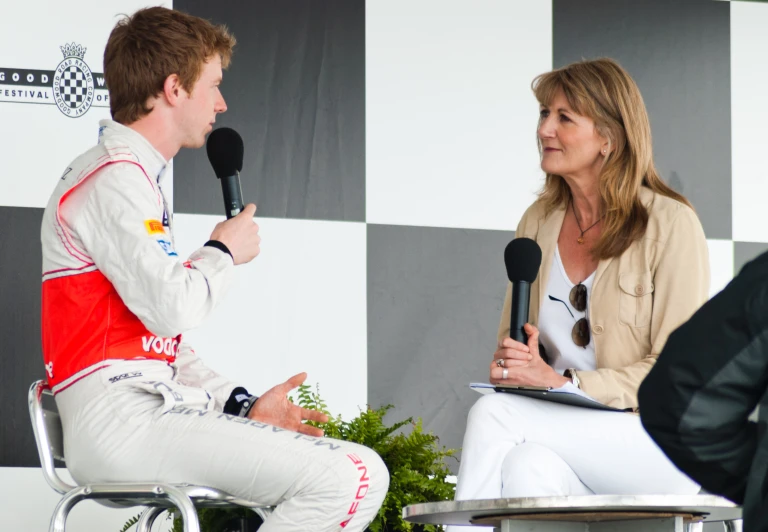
point(518, 364)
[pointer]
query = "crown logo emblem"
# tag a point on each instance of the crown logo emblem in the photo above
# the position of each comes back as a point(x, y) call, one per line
point(73, 50)
point(73, 84)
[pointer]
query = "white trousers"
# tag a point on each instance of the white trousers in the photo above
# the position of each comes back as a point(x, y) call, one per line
point(137, 431)
point(517, 446)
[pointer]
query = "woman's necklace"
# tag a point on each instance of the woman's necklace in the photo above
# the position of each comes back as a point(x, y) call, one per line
point(580, 240)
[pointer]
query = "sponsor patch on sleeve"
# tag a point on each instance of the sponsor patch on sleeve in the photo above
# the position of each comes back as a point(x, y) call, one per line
point(167, 247)
point(154, 227)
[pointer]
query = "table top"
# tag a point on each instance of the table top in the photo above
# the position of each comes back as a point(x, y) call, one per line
point(709, 507)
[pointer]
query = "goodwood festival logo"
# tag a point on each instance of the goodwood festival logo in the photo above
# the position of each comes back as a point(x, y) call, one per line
point(72, 87)
point(73, 82)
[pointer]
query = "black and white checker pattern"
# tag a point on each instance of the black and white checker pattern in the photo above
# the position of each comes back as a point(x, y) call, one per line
point(390, 147)
point(73, 86)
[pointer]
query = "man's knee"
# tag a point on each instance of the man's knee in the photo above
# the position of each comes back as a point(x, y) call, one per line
point(366, 471)
point(364, 480)
point(358, 472)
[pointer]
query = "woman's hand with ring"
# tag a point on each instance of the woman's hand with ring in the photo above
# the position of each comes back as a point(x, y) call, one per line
point(509, 354)
point(519, 364)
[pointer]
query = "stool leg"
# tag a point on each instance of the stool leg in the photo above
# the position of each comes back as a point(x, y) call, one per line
point(148, 519)
point(660, 524)
point(186, 508)
point(522, 525)
point(733, 526)
point(695, 527)
point(67, 502)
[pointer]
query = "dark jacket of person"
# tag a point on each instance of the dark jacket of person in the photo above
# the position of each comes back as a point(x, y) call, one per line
point(710, 376)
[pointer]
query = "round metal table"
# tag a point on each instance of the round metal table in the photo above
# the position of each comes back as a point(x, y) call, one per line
point(593, 513)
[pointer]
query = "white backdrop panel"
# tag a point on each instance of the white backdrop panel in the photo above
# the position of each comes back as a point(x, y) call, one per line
point(48, 139)
point(450, 116)
point(749, 114)
point(300, 306)
point(720, 264)
point(27, 503)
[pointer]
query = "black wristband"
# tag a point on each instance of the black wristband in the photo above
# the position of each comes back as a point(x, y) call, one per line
point(239, 402)
point(220, 246)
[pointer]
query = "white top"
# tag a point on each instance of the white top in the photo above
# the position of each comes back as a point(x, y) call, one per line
point(556, 323)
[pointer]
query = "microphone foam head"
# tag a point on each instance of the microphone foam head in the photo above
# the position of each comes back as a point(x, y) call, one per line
point(225, 151)
point(522, 256)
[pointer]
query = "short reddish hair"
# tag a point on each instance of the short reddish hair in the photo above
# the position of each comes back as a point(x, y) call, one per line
point(152, 44)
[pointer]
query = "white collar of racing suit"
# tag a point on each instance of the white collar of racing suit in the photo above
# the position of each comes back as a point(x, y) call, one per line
point(149, 158)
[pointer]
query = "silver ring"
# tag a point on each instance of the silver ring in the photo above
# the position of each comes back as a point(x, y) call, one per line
point(500, 362)
point(504, 374)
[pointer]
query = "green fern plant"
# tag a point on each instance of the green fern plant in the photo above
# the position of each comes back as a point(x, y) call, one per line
point(129, 523)
point(415, 460)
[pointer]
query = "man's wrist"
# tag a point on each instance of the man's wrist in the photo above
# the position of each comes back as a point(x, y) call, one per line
point(240, 402)
point(220, 246)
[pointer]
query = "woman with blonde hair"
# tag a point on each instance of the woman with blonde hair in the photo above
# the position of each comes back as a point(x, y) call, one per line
point(624, 263)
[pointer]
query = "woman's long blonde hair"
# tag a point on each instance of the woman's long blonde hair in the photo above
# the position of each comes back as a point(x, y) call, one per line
point(603, 91)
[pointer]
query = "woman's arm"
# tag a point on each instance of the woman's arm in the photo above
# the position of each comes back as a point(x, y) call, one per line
point(681, 286)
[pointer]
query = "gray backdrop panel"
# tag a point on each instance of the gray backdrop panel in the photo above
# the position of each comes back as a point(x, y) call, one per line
point(743, 252)
point(22, 358)
point(434, 301)
point(678, 51)
point(296, 93)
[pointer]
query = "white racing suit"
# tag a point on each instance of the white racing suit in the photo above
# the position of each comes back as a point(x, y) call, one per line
point(137, 404)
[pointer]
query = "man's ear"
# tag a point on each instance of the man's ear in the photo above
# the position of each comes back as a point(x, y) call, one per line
point(172, 90)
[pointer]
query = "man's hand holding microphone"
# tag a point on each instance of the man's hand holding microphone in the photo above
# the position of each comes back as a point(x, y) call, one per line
point(240, 234)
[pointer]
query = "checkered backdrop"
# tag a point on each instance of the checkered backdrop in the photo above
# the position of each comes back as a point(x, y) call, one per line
point(390, 147)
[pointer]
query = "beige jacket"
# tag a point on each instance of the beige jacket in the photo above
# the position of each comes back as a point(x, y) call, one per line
point(637, 299)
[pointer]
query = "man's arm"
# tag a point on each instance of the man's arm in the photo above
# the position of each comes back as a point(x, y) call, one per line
point(116, 216)
point(110, 217)
point(708, 379)
point(230, 397)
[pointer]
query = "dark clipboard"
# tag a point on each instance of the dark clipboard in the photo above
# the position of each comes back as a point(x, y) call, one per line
point(545, 394)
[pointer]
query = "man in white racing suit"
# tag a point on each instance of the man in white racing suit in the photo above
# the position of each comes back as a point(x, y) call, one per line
point(137, 404)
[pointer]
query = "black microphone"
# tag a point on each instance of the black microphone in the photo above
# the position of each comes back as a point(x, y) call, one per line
point(522, 256)
point(225, 151)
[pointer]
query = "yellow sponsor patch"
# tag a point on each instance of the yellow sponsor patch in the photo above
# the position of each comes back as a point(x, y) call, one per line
point(154, 227)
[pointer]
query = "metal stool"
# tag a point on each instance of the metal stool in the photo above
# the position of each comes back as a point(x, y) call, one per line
point(588, 513)
point(158, 497)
